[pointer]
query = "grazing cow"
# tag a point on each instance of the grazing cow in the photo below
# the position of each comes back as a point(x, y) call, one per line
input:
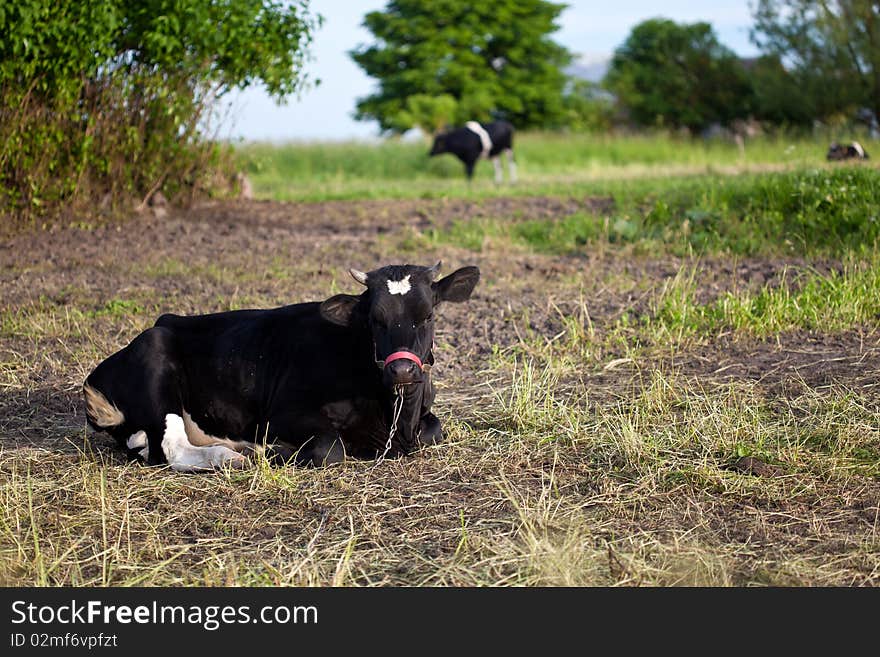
point(850, 152)
point(475, 141)
point(313, 381)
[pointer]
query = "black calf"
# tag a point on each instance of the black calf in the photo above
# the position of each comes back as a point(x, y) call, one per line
point(350, 375)
point(475, 141)
point(852, 151)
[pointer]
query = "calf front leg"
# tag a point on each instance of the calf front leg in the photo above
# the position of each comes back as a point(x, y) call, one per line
point(469, 168)
point(320, 451)
point(430, 430)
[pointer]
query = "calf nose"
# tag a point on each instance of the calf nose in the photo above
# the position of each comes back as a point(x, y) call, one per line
point(401, 371)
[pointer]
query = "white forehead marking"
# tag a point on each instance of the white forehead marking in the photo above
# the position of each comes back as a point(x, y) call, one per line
point(399, 287)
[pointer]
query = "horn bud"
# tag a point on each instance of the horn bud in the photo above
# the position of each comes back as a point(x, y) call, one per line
point(434, 269)
point(358, 275)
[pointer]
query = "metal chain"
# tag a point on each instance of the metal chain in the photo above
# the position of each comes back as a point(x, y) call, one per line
point(398, 407)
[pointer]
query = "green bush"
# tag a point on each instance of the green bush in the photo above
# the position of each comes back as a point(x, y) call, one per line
point(825, 212)
point(113, 99)
point(814, 210)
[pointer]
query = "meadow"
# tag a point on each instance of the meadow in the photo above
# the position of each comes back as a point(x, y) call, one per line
point(550, 163)
point(668, 374)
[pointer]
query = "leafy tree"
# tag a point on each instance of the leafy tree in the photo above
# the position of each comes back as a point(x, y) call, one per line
point(831, 48)
point(101, 96)
point(493, 59)
point(589, 107)
point(779, 98)
point(430, 113)
point(678, 75)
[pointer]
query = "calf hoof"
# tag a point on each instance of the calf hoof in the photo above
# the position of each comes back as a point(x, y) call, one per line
point(237, 462)
point(139, 455)
point(320, 452)
point(328, 453)
point(281, 454)
point(431, 432)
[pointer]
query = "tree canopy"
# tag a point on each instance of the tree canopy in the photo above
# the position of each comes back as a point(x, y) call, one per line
point(831, 49)
point(678, 75)
point(230, 43)
point(110, 95)
point(779, 97)
point(492, 59)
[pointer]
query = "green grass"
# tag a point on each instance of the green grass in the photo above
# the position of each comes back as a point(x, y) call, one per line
point(672, 417)
point(548, 164)
point(69, 317)
point(805, 211)
point(809, 211)
point(812, 302)
point(685, 196)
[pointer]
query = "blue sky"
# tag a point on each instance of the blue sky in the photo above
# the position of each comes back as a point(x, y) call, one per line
point(591, 28)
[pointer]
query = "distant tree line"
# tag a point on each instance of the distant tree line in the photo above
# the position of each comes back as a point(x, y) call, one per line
point(442, 62)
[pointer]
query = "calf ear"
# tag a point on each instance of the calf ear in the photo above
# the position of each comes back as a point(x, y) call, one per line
point(457, 286)
point(339, 309)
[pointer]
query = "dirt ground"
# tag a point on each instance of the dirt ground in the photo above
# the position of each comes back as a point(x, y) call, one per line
point(71, 296)
point(278, 253)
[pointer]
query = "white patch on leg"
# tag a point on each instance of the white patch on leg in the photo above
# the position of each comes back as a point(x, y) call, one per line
point(184, 457)
point(511, 165)
point(399, 287)
point(137, 440)
point(499, 174)
point(198, 438)
point(859, 149)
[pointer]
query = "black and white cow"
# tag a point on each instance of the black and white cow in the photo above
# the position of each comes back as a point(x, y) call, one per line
point(313, 381)
point(475, 141)
point(852, 151)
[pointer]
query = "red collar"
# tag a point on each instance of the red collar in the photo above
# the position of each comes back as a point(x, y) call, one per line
point(408, 355)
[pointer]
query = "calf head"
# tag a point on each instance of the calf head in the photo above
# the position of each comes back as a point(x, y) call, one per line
point(439, 146)
point(398, 310)
point(835, 152)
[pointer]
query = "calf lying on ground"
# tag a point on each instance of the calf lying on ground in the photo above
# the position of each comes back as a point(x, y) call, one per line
point(314, 381)
point(853, 151)
point(475, 141)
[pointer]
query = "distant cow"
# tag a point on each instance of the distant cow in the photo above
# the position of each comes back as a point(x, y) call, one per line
point(475, 141)
point(852, 151)
point(316, 381)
